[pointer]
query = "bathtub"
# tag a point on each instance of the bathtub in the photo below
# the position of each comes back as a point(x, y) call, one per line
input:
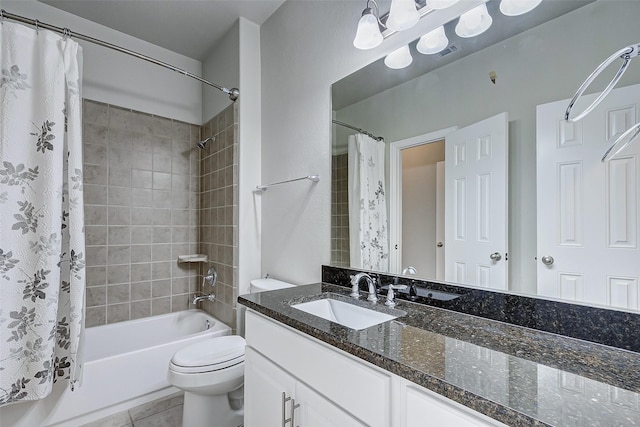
point(125, 365)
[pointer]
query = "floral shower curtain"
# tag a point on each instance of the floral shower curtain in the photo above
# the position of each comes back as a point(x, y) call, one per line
point(368, 228)
point(42, 255)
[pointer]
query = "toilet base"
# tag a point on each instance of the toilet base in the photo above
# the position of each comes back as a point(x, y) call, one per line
point(212, 411)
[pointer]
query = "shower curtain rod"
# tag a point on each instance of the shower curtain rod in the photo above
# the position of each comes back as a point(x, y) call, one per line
point(233, 92)
point(377, 138)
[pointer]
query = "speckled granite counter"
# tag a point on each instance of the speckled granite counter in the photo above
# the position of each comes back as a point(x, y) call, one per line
point(515, 375)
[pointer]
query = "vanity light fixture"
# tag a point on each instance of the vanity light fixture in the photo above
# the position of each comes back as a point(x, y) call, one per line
point(441, 4)
point(368, 33)
point(433, 42)
point(402, 15)
point(518, 7)
point(399, 58)
point(474, 22)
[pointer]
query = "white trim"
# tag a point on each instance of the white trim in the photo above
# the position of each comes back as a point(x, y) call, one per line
point(395, 190)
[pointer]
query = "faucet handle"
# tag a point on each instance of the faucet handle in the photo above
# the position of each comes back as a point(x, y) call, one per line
point(391, 296)
point(355, 287)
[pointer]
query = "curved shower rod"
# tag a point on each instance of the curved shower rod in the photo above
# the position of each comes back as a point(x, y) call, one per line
point(233, 92)
point(357, 129)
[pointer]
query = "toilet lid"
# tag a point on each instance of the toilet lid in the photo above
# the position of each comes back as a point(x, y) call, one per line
point(210, 354)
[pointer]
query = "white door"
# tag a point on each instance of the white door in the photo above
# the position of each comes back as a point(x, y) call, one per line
point(588, 210)
point(476, 204)
point(264, 385)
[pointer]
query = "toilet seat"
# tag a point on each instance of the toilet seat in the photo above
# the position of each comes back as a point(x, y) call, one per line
point(210, 355)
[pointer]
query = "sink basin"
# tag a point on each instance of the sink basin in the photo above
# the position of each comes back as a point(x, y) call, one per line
point(349, 315)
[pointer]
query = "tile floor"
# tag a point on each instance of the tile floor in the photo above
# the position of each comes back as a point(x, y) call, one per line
point(165, 412)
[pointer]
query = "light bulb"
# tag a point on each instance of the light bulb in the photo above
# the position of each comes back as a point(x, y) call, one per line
point(474, 22)
point(368, 33)
point(399, 58)
point(403, 15)
point(518, 7)
point(433, 42)
point(441, 4)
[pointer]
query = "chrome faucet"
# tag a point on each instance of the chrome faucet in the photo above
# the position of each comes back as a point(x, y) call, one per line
point(391, 296)
point(355, 286)
point(197, 299)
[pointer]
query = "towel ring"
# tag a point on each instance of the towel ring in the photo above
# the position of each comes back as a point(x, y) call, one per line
point(626, 54)
point(619, 144)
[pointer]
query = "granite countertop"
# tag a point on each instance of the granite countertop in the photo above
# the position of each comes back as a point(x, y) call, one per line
point(516, 375)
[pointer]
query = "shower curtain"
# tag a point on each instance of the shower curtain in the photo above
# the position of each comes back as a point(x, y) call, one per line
point(368, 229)
point(42, 255)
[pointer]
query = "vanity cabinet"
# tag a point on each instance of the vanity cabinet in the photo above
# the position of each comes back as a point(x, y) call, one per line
point(357, 389)
point(274, 397)
point(332, 387)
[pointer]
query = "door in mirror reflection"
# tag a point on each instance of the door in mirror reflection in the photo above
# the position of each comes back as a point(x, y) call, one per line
point(476, 203)
point(452, 202)
point(588, 209)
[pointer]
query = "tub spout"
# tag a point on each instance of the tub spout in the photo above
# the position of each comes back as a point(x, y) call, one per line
point(197, 299)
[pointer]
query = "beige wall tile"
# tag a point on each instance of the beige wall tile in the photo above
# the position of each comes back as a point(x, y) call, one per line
point(138, 168)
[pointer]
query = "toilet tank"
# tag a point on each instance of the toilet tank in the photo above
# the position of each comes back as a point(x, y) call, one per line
point(261, 285)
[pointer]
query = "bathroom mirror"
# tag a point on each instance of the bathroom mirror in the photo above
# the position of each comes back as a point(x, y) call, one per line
point(520, 73)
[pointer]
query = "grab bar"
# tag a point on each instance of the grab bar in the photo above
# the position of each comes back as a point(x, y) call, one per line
point(314, 178)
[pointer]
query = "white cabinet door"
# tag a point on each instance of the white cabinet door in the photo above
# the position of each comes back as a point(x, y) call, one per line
point(476, 204)
point(264, 383)
point(588, 216)
point(265, 404)
point(423, 408)
point(334, 374)
point(316, 411)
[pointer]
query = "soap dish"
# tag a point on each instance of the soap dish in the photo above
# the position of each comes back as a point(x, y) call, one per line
point(193, 258)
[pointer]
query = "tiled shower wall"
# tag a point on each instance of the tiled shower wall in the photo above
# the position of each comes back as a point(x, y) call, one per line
point(141, 175)
point(219, 211)
point(339, 211)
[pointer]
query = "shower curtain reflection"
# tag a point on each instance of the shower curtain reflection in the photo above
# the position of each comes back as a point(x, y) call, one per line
point(368, 227)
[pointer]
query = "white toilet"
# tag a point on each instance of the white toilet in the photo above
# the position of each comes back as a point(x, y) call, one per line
point(211, 373)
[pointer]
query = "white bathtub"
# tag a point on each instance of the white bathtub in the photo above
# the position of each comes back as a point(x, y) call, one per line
point(125, 364)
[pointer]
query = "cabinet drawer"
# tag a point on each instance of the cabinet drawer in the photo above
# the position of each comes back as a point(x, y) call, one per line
point(361, 390)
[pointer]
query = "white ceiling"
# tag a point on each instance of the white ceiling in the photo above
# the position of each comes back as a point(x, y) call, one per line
point(188, 27)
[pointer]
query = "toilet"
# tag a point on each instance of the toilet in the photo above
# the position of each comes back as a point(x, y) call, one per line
point(211, 373)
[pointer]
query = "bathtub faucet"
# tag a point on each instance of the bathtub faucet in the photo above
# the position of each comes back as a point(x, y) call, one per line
point(211, 278)
point(197, 299)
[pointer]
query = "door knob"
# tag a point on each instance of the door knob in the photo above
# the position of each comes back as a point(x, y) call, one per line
point(547, 260)
point(495, 256)
point(439, 244)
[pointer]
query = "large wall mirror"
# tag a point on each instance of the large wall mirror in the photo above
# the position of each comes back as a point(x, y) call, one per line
point(542, 215)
